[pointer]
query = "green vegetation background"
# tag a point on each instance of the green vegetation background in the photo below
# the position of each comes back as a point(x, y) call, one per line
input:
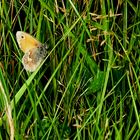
point(88, 86)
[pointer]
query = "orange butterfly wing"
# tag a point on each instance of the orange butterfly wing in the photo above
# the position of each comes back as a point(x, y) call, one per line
point(26, 41)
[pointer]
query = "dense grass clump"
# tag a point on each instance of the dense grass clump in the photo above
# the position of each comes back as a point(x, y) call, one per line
point(88, 86)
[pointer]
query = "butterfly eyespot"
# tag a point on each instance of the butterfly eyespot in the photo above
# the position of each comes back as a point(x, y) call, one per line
point(22, 36)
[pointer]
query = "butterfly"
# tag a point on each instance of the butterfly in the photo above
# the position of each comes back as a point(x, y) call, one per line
point(34, 50)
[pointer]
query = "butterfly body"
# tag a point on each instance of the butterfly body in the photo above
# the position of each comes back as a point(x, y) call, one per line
point(33, 49)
